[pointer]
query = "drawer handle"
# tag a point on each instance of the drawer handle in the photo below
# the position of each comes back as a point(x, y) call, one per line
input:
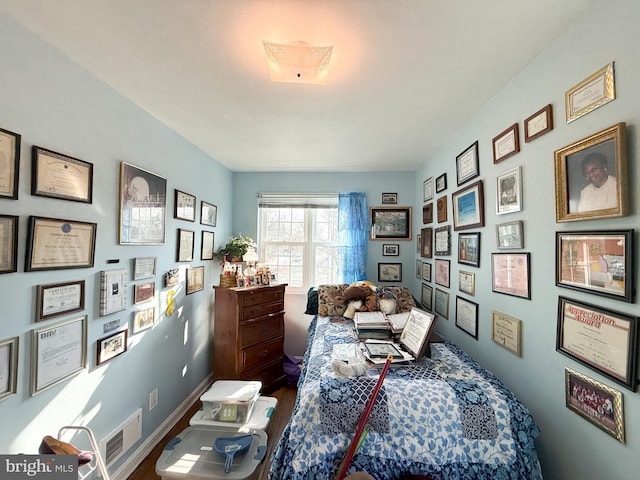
point(264, 353)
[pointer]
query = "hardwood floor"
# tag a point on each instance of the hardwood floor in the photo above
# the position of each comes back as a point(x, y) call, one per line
point(286, 396)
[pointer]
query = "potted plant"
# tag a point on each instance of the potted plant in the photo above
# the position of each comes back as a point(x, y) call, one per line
point(236, 247)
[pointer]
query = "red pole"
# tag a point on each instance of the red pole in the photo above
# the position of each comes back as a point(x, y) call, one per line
point(363, 421)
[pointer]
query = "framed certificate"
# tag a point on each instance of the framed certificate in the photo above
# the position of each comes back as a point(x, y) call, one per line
point(8, 243)
point(8, 366)
point(467, 282)
point(467, 164)
point(389, 272)
point(506, 144)
point(9, 164)
point(538, 124)
point(61, 176)
point(416, 332)
point(510, 274)
point(443, 240)
point(57, 299)
point(144, 267)
point(467, 316)
point(591, 93)
point(506, 331)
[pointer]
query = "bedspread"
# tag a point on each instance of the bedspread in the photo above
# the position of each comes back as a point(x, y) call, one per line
point(445, 417)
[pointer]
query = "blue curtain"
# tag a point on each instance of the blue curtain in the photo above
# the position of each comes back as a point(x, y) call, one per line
point(353, 235)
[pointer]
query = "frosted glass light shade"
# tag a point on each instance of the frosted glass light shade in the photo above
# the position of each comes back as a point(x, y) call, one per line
point(298, 62)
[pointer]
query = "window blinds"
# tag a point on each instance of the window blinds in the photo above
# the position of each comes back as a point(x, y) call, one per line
point(298, 200)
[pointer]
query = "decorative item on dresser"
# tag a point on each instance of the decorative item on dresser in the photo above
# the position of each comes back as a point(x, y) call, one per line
point(248, 339)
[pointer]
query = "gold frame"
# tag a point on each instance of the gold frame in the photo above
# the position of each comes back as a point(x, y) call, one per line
point(567, 170)
point(585, 89)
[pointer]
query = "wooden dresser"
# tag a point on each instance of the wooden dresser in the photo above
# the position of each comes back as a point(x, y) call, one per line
point(248, 338)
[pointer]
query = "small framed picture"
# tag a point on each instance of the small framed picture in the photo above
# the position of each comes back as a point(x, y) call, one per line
point(510, 274)
point(427, 213)
point(418, 268)
point(184, 206)
point(426, 236)
point(426, 297)
point(143, 292)
point(10, 147)
point(144, 267)
point(9, 367)
point(389, 272)
point(595, 402)
point(591, 93)
point(467, 282)
point(441, 183)
point(510, 235)
point(171, 278)
point(390, 249)
point(419, 243)
point(469, 248)
point(468, 164)
point(441, 300)
point(60, 176)
point(506, 331)
point(57, 299)
point(443, 240)
point(426, 271)
point(195, 279)
point(144, 319)
point(538, 124)
point(206, 250)
point(427, 189)
point(208, 214)
point(8, 243)
point(467, 316)
point(392, 223)
point(506, 144)
point(591, 177)
point(185, 245)
point(113, 294)
point(509, 191)
point(111, 346)
point(442, 272)
point(389, 198)
point(468, 207)
point(441, 206)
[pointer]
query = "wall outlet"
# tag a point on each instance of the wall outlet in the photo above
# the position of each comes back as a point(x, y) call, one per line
point(153, 399)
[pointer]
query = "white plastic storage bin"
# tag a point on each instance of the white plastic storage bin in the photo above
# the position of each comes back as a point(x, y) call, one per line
point(230, 400)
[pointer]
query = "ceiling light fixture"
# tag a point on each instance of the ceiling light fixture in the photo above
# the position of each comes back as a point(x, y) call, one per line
point(298, 62)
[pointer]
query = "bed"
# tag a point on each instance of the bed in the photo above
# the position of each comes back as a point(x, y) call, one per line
point(445, 417)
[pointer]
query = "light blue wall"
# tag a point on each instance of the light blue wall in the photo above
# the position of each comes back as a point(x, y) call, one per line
point(569, 446)
point(55, 104)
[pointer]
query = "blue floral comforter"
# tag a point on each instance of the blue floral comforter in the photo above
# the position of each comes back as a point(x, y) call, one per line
point(445, 417)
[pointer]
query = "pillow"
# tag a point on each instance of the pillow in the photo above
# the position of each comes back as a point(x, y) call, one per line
point(312, 301)
point(404, 298)
point(328, 304)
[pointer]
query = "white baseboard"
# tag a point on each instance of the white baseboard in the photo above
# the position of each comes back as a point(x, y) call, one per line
point(143, 451)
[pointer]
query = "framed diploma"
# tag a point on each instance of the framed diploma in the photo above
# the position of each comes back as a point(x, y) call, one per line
point(427, 189)
point(53, 244)
point(591, 93)
point(57, 352)
point(426, 296)
point(416, 332)
point(60, 176)
point(506, 144)
point(467, 282)
point(443, 240)
point(144, 267)
point(195, 279)
point(506, 331)
point(8, 243)
point(538, 124)
point(389, 272)
point(111, 346)
point(206, 249)
point(113, 296)
point(57, 299)
point(510, 274)
point(184, 206)
point(467, 316)
point(467, 164)
point(9, 164)
point(208, 214)
point(468, 207)
point(441, 301)
point(185, 245)
point(8, 367)
point(600, 339)
point(426, 271)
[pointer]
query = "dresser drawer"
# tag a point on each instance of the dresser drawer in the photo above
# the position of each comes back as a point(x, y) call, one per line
point(262, 353)
point(261, 310)
point(264, 296)
point(270, 374)
point(260, 330)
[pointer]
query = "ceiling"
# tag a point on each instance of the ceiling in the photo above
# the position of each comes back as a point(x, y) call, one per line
point(405, 74)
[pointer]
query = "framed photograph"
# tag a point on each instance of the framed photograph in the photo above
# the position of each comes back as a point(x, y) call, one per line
point(54, 244)
point(510, 235)
point(144, 267)
point(206, 250)
point(390, 249)
point(60, 176)
point(426, 236)
point(510, 274)
point(468, 164)
point(111, 346)
point(143, 292)
point(538, 124)
point(467, 316)
point(195, 279)
point(185, 245)
point(427, 213)
point(389, 272)
point(184, 206)
point(509, 191)
point(390, 223)
point(389, 198)
point(143, 205)
point(469, 249)
point(113, 296)
point(598, 262)
point(506, 331)
point(57, 352)
point(9, 163)
point(603, 340)
point(441, 301)
point(426, 297)
point(443, 240)
point(442, 272)
point(57, 299)
point(591, 176)
point(467, 282)
point(171, 278)
point(9, 367)
point(441, 206)
point(8, 243)
point(144, 319)
point(427, 189)
point(208, 214)
point(506, 144)
point(426, 271)
point(591, 93)
point(441, 183)
point(468, 207)
point(596, 402)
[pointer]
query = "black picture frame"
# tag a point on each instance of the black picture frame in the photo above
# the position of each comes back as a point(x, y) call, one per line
point(390, 272)
point(184, 206)
point(467, 316)
point(390, 249)
point(56, 175)
point(390, 223)
point(468, 164)
point(442, 241)
point(469, 248)
point(511, 274)
point(441, 183)
point(208, 214)
point(389, 198)
point(206, 245)
point(468, 206)
point(186, 244)
point(109, 347)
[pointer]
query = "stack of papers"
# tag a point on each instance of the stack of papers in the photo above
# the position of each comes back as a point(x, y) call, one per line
point(372, 325)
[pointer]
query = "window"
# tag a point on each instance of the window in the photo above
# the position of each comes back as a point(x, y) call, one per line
point(298, 238)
